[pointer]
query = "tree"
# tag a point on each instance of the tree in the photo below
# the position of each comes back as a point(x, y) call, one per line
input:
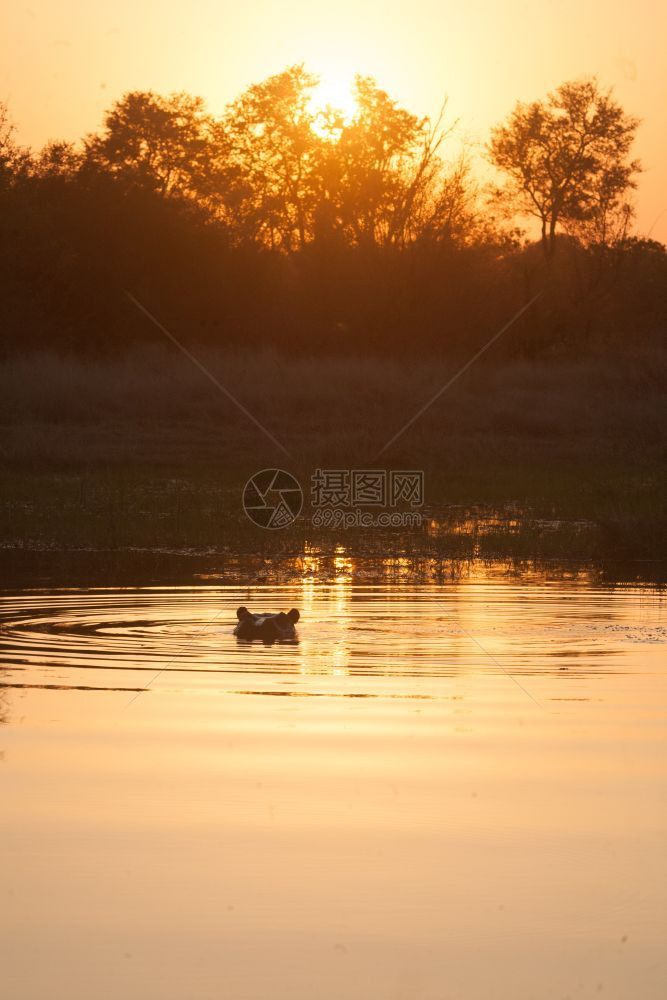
point(380, 173)
point(446, 213)
point(157, 143)
point(14, 159)
point(269, 133)
point(567, 158)
point(57, 160)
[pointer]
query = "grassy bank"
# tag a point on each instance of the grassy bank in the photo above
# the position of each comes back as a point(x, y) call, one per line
point(559, 459)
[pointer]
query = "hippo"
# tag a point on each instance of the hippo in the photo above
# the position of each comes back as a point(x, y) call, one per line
point(269, 628)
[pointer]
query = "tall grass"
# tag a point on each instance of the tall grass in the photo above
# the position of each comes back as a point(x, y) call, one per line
point(153, 406)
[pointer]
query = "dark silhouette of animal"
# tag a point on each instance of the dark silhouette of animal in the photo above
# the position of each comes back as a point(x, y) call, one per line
point(269, 628)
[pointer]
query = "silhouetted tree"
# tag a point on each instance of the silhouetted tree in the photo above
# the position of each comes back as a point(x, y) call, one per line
point(158, 143)
point(14, 159)
point(277, 224)
point(448, 211)
point(57, 159)
point(567, 159)
point(380, 173)
point(268, 133)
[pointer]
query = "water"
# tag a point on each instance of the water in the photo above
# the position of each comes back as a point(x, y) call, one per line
point(450, 790)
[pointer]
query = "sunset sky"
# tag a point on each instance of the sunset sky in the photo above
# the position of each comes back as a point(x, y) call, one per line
point(62, 63)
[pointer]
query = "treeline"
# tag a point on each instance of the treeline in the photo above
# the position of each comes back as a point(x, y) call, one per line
point(278, 224)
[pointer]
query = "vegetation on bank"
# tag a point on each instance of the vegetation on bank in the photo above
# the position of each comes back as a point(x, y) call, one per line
point(142, 526)
point(144, 452)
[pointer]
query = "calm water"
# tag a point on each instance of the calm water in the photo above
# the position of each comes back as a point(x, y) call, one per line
point(440, 791)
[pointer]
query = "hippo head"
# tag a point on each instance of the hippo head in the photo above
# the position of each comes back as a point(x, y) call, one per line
point(269, 628)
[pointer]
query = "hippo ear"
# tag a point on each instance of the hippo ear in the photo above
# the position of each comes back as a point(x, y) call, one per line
point(242, 613)
point(293, 616)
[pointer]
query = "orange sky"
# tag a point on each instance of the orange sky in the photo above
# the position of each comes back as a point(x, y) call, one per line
point(62, 63)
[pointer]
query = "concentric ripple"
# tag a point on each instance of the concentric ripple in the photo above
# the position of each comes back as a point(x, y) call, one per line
point(122, 639)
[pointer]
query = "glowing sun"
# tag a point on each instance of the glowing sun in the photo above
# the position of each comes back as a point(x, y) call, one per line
point(335, 90)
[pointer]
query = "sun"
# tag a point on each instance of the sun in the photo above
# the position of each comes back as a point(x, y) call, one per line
point(338, 92)
point(335, 90)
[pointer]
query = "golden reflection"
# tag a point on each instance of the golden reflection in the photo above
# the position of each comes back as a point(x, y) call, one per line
point(333, 601)
point(311, 560)
point(311, 563)
point(399, 568)
point(340, 657)
point(343, 563)
point(340, 566)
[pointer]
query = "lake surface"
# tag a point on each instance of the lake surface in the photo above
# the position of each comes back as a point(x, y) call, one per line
point(442, 790)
